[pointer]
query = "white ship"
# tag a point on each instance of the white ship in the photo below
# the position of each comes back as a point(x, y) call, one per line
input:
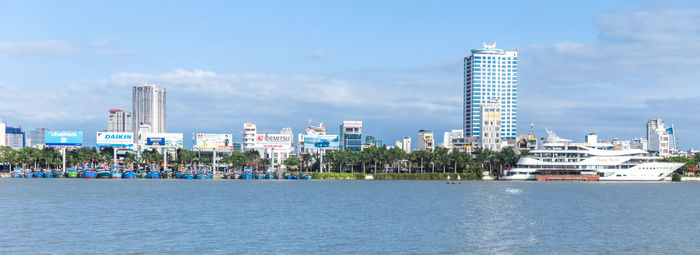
point(558, 156)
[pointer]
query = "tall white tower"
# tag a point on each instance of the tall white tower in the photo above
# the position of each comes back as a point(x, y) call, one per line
point(149, 108)
point(490, 74)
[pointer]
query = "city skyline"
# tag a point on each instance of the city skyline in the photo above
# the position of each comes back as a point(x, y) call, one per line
point(609, 69)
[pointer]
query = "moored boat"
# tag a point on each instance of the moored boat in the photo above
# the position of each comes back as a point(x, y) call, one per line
point(129, 175)
point(38, 174)
point(269, 175)
point(89, 174)
point(104, 174)
point(152, 175)
point(288, 176)
point(306, 177)
point(116, 175)
point(27, 174)
point(48, 175)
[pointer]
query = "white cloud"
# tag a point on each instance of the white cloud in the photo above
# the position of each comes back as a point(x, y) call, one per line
point(319, 55)
point(643, 61)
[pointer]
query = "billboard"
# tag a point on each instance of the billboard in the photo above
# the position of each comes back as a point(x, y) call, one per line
point(348, 123)
point(161, 139)
point(65, 138)
point(115, 139)
point(321, 142)
point(273, 140)
point(213, 141)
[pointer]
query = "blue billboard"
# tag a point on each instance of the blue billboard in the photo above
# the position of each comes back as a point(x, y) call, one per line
point(321, 142)
point(155, 141)
point(64, 138)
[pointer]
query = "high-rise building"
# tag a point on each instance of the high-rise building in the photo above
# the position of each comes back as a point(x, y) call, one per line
point(15, 138)
point(249, 132)
point(657, 137)
point(490, 73)
point(351, 136)
point(406, 145)
point(3, 141)
point(37, 137)
point(149, 108)
point(119, 121)
point(426, 140)
point(491, 126)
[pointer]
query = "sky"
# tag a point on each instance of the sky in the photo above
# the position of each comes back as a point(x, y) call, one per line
point(585, 66)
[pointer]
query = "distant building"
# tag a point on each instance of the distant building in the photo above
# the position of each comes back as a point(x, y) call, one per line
point(249, 132)
point(406, 145)
point(373, 141)
point(490, 73)
point(351, 136)
point(657, 137)
point(237, 147)
point(639, 143)
point(448, 137)
point(426, 140)
point(119, 121)
point(399, 144)
point(149, 108)
point(592, 138)
point(3, 139)
point(621, 144)
point(15, 138)
point(491, 126)
point(37, 137)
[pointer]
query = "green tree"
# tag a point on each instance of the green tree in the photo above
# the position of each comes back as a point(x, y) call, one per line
point(291, 162)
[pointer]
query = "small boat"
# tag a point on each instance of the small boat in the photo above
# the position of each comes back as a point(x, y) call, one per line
point(179, 175)
point(152, 175)
point(247, 175)
point(269, 175)
point(306, 177)
point(89, 174)
point(16, 174)
point(259, 175)
point(28, 174)
point(38, 174)
point(103, 173)
point(57, 174)
point(48, 175)
point(454, 183)
point(116, 175)
point(198, 176)
point(129, 175)
point(188, 176)
point(296, 177)
point(141, 174)
point(288, 176)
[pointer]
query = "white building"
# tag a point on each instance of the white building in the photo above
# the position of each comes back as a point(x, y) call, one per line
point(449, 136)
point(657, 137)
point(490, 73)
point(119, 120)
point(621, 144)
point(3, 141)
point(14, 138)
point(639, 143)
point(491, 126)
point(406, 145)
point(149, 108)
point(249, 132)
point(37, 137)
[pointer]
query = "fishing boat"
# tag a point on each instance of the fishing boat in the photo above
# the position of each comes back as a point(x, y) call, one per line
point(198, 176)
point(188, 176)
point(103, 173)
point(247, 175)
point(141, 174)
point(129, 175)
point(17, 173)
point(259, 175)
point(89, 174)
point(152, 175)
point(57, 173)
point(27, 174)
point(306, 177)
point(48, 175)
point(269, 175)
point(38, 174)
point(288, 176)
point(71, 173)
point(116, 175)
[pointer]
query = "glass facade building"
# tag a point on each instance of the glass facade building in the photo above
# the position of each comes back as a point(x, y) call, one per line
point(351, 136)
point(491, 74)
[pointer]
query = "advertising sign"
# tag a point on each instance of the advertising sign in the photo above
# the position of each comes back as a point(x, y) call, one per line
point(155, 141)
point(64, 138)
point(213, 141)
point(161, 139)
point(321, 142)
point(348, 123)
point(115, 139)
point(273, 140)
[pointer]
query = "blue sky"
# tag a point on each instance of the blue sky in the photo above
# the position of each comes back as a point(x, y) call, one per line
point(602, 66)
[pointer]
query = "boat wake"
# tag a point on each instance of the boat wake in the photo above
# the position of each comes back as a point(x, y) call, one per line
point(513, 191)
